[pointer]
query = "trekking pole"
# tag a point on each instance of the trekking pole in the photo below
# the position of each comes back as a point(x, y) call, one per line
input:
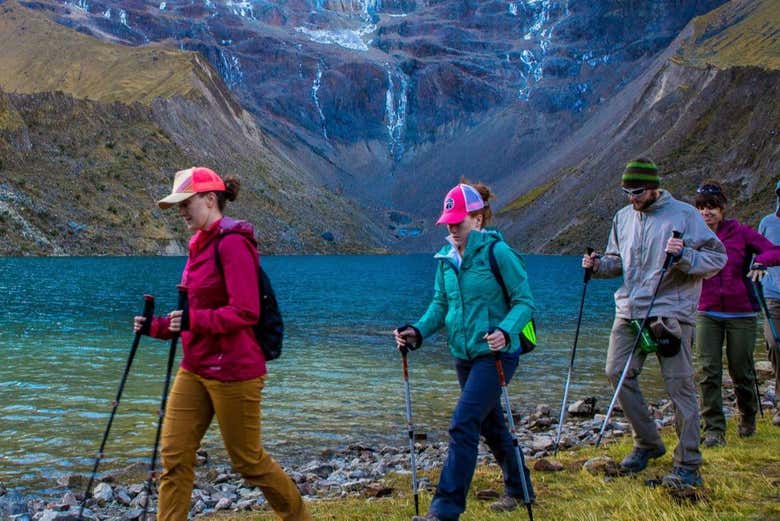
point(148, 314)
point(759, 289)
point(513, 432)
point(410, 428)
point(585, 280)
point(667, 263)
point(164, 400)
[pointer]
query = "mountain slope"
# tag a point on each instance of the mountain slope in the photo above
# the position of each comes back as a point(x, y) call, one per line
point(700, 111)
point(390, 102)
point(107, 125)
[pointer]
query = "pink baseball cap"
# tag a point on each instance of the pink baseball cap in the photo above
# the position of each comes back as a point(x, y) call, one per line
point(459, 202)
point(187, 183)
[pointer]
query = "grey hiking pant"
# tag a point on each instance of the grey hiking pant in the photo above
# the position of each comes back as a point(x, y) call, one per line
point(771, 353)
point(677, 372)
point(740, 337)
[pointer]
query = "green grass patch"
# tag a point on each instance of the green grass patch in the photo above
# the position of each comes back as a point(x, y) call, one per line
point(528, 197)
point(736, 34)
point(741, 482)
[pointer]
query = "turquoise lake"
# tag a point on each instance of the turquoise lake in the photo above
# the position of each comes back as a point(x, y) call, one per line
point(65, 334)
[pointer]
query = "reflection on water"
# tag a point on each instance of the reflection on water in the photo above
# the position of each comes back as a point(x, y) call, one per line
point(66, 334)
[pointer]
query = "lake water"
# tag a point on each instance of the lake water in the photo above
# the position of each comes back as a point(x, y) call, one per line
point(65, 334)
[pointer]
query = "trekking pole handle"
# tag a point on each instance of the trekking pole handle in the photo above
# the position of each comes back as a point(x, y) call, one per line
point(183, 305)
point(500, 369)
point(669, 256)
point(148, 314)
point(588, 271)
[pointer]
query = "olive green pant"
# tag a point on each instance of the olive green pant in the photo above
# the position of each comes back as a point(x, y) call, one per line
point(771, 353)
point(192, 403)
point(739, 335)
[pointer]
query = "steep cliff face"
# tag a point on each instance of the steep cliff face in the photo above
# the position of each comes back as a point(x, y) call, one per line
point(708, 108)
point(93, 132)
point(374, 96)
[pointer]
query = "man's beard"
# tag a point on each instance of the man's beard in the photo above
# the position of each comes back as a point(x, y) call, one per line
point(644, 205)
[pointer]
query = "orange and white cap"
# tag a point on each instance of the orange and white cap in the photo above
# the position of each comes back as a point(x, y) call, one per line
point(189, 182)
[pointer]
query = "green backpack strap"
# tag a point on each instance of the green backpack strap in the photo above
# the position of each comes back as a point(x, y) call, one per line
point(528, 333)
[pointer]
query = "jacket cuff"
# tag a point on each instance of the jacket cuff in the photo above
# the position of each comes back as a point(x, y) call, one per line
point(419, 337)
point(507, 339)
point(684, 261)
point(191, 320)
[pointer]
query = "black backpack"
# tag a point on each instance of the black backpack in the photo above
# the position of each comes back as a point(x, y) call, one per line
point(528, 334)
point(269, 328)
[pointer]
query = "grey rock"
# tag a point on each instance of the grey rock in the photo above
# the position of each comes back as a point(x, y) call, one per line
point(103, 493)
point(122, 496)
point(223, 504)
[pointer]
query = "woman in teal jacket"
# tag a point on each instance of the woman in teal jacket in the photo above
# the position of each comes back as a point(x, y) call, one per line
point(480, 321)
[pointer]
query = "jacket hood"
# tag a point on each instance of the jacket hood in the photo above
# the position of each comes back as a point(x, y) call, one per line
point(663, 199)
point(225, 225)
point(229, 225)
point(727, 228)
point(477, 239)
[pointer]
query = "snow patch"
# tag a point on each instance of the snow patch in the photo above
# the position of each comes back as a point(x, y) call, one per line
point(396, 110)
point(315, 88)
point(230, 69)
point(349, 39)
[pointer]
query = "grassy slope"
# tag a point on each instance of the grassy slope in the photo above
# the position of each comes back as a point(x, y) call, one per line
point(38, 56)
point(738, 34)
point(107, 124)
point(742, 482)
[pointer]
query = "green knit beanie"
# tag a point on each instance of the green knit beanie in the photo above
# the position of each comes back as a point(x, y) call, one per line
point(641, 172)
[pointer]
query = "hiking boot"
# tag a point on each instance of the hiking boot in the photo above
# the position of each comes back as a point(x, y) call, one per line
point(714, 439)
point(746, 428)
point(426, 517)
point(682, 478)
point(637, 459)
point(776, 419)
point(507, 503)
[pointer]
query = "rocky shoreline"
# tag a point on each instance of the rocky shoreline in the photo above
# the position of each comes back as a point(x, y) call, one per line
point(356, 470)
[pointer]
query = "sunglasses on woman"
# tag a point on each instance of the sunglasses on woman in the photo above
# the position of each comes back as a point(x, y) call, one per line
point(708, 189)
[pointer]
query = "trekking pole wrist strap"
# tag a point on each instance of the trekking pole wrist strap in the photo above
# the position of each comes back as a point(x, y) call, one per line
point(417, 336)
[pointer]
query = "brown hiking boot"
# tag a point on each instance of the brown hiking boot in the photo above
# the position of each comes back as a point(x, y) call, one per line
point(746, 428)
point(506, 504)
point(714, 439)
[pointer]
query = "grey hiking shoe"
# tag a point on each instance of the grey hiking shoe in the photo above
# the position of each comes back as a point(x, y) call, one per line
point(776, 419)
point(637, 459)
point(426, 517)
point(682, 478)
point(714, 439)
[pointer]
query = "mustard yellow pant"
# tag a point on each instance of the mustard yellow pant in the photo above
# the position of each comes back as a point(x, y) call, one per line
point(192, 404)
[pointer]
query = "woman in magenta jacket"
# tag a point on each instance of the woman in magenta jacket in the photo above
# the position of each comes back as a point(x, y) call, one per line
point(223, 368)
point(727, 310)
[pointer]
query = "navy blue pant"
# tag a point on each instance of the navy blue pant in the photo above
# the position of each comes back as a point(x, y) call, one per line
point(478, 411)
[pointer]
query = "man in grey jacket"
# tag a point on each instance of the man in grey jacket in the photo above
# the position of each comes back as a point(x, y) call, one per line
point(640, 239)
point(770, 228)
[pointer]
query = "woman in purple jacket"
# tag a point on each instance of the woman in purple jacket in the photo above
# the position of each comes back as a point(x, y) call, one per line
point(728, 309)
